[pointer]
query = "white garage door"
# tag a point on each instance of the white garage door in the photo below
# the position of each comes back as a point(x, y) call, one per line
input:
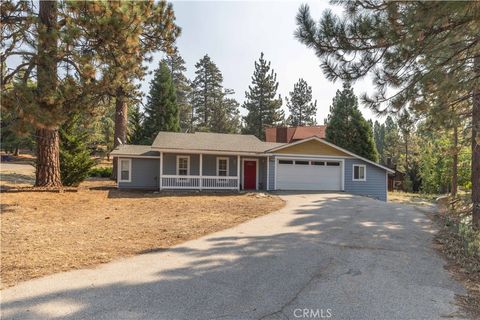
point(309, 175)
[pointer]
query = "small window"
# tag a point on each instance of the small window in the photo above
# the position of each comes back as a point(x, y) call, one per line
point(333, 164)
point(301, 162)
point(125, 170)
point(222, 167)
point(285, 161)
point(359, 172)
point(183, 167)
point(318, 163)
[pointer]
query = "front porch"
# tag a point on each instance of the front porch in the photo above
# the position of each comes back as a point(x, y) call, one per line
point(212, 172)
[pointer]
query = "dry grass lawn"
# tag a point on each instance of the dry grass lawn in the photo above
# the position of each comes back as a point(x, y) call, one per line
point(411, 198)
point(44, 233)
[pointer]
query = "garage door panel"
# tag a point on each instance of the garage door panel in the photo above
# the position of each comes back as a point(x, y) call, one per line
point(308, 177)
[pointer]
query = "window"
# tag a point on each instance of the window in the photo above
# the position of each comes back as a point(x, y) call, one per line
point(222, 167)
point(359, 172)
point(318, 163)
point(333, 164)
point(285, 161)
point(125, 167)
point(183, 165)
point(301, 162)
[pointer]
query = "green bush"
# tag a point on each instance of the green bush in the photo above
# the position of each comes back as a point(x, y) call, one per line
point(75, 158)
point(100, 172)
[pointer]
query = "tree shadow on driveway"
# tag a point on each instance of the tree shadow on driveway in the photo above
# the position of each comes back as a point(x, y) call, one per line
point(359, 257)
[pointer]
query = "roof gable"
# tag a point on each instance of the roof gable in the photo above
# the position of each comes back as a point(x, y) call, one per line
point(285, 146)
point(311, 147)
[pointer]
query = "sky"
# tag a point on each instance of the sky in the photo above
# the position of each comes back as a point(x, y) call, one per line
point(234, 34)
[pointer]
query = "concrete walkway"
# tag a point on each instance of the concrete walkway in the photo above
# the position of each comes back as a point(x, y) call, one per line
point(331, 256)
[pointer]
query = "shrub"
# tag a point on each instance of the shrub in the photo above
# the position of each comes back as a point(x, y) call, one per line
point(100, 172)
point(75, 159)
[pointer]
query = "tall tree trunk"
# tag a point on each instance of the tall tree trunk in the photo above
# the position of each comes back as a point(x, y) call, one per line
point(48, 142)
point(476, 148)
point(121, 122)
point(455, 161)
point(48, 159)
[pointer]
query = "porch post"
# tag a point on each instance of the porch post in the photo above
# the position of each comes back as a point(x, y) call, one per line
point(201, 171)
point(160, 171)
point(238, 172)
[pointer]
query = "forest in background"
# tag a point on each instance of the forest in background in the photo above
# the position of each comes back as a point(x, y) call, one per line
point(75, 90)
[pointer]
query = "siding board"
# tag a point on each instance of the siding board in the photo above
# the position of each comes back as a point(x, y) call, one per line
point(375, 186)
point(144, 173)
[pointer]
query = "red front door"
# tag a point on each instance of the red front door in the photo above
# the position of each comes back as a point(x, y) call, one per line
point(249, 174)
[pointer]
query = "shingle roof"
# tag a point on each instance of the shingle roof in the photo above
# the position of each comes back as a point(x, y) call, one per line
point(138, 150)
point(212, 142)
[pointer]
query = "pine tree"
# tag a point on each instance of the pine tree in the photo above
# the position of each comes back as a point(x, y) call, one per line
point(419, 58)
point(392, 143)
point(136, 134)
point(161, 110)
point(347, 128)
point(176, 64)
point(75, 159)
point(226, 116)
point(262, 104)
point(207, 92)
point(212, 109)
point(302, 110)
point(379, 137)
point(76, 59)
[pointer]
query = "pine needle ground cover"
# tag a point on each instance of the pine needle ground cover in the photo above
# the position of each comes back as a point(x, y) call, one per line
point(460, 245)
point(44, 233)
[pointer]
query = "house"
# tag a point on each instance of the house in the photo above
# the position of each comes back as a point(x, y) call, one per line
point(292, 134)
point(214, 161)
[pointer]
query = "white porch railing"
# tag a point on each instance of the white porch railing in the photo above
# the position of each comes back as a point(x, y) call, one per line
point(199, 182)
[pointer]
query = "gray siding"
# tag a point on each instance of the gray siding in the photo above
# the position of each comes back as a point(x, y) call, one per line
point(271, 176)
point(210, 164)
point(375, 186)
point(144, 175)
point(262, 173)
point(170, 163)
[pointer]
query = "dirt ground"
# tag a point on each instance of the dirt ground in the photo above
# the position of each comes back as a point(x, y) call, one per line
point(411, 198)
point(45, 232)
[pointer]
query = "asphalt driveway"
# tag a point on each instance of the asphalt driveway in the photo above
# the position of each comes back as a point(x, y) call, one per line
point(331, 256)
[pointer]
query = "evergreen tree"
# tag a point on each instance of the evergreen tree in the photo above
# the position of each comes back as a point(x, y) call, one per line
point(75, 58)
point(379, 137)
point(347, 128)
point(226, 116)
point(161, 110)
point(262, 104)
point(176, 64)
point(302, 110)
point(207, 92)
point(419, 58)
point(75, 159)
point(212, 109)
point(392, 143)
point(136, 134)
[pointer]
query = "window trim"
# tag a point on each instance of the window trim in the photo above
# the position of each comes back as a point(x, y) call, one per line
point(119, 173)
point(228, 166)
point(178, 164)
point(302, 162)
point(364, 172)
